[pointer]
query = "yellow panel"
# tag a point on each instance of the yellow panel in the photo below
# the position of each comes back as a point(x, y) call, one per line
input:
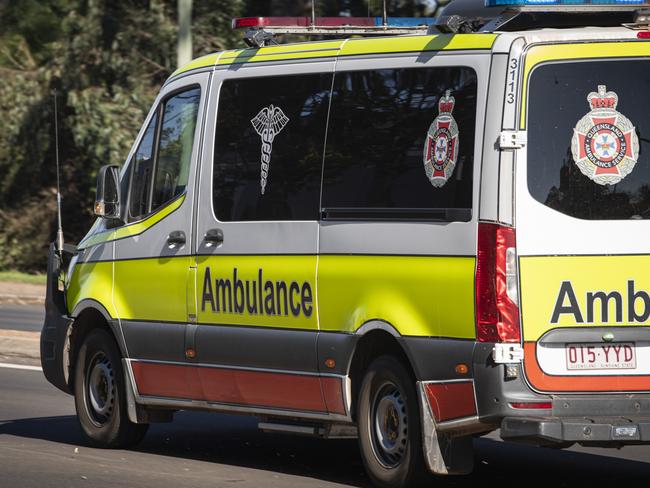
point(133, 229)
point(564, 52)
point(543, 292)
point(339, 47)
point(152, 289)
point(94, 281)
point(417, 44)
point(223, 297)
point(419, 296)
point(281, 52)
point(202, 62)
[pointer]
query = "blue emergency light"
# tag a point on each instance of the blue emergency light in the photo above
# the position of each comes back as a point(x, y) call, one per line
point(564, 3)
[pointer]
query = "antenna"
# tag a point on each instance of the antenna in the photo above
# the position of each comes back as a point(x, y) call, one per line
point(59, 231)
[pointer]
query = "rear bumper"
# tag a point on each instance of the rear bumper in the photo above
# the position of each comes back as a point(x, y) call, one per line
point(606, 419)
point(601, 431)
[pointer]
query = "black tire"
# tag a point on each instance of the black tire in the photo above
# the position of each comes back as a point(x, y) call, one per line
point(100, 394)
point(392, 454)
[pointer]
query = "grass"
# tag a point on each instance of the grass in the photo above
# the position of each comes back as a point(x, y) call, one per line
point(17, 276)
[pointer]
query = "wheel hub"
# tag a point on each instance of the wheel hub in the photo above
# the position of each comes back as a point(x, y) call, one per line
point(390, 428)
point(100, 387)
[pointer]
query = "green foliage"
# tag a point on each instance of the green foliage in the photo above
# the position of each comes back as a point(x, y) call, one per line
point(106, 60)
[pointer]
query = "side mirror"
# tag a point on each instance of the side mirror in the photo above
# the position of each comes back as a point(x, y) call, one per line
point(107, 203)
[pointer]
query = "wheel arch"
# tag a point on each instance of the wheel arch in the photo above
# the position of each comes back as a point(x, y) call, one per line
point(375, 338)
point(89, 315)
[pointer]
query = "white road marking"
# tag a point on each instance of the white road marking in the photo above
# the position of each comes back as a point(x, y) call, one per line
point(21, 366)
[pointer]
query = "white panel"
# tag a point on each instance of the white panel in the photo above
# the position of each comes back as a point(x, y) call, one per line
point(552, 360)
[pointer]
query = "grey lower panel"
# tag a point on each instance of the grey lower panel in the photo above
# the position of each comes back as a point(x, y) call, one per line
point(257, 347)
point(609, 430)
point(495, 392)
point(153, 340)
point(436, 358)
point(601, 405)
point(337, 346)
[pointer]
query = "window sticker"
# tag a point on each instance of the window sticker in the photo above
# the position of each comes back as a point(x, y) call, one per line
point(441, 145)
point(268, 123)
point(604, 145)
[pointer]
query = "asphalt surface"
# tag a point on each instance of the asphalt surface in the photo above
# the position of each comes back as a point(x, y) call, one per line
point(41, 446)
point(27, 318)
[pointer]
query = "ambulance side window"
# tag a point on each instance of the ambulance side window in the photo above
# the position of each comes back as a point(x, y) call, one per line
point(175, 146)
point(142, 170)
point(384, 127)
point(269, 147)
point(165, 151)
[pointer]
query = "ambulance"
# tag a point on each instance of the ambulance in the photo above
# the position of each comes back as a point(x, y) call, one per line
point(412, 238)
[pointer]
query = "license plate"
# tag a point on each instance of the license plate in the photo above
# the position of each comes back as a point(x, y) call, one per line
point(620, 355)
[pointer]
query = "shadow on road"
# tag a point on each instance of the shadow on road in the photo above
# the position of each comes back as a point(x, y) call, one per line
point(235, 441)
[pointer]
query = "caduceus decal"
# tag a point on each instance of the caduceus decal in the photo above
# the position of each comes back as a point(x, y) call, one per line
point(268, 123)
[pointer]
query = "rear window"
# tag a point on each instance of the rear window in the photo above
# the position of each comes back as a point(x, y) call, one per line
point(588, 136)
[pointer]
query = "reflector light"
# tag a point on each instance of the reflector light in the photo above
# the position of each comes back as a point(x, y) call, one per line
point(497, 310)
point(533, 405)
point(643, 35)
point(333, 22)
point(567, 3)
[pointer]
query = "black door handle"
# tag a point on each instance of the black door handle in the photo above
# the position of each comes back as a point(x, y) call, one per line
point(213, 237)
point(176, 238)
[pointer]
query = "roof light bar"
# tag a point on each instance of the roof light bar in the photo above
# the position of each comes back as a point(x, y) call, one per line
point(335, 25)
point(569, 5)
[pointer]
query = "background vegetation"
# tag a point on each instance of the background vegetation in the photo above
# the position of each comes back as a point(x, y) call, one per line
point(106, 60)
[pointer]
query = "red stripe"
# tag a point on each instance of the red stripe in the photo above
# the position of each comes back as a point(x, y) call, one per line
point(253, 388)
point(450, 401)
point(547, 383)
point(333, 394)
point(166, 380)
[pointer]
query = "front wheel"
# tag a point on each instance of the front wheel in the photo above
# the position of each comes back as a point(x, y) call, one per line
point(388, 417)
point(100, 394)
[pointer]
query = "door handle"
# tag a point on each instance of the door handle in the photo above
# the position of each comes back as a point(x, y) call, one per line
point(176, 238)
point(213, 237)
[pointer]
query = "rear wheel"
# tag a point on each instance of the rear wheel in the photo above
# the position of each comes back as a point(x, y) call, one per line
point(388, 419)
point(100, 394)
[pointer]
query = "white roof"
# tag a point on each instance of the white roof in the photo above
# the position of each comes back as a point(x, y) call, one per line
point(505, 39)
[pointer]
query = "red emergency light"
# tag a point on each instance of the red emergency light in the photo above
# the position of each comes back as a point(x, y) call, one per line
point(333, 22)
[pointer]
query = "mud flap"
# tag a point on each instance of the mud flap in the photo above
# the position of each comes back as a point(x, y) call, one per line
point(443, 454)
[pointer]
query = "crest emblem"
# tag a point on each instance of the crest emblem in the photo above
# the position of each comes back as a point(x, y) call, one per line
point(604, 145)
point(268, 123)
point(441, 144)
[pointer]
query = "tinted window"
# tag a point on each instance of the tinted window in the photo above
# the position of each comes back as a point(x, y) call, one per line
point(175, 147)
point(604, 183)
point(142, 171)
point(384, 126)
point(268, 148)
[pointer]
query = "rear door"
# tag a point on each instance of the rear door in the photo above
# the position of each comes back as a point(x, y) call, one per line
point(583, 217)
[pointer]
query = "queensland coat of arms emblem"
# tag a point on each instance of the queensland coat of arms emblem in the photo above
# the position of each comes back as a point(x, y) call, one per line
point(441, 144)
point(604, 145)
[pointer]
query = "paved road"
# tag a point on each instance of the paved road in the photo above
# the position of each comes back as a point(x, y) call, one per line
point(22, 317)
point(41, 446)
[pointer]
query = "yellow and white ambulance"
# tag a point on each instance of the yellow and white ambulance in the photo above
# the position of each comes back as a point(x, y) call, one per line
point(410, 239)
